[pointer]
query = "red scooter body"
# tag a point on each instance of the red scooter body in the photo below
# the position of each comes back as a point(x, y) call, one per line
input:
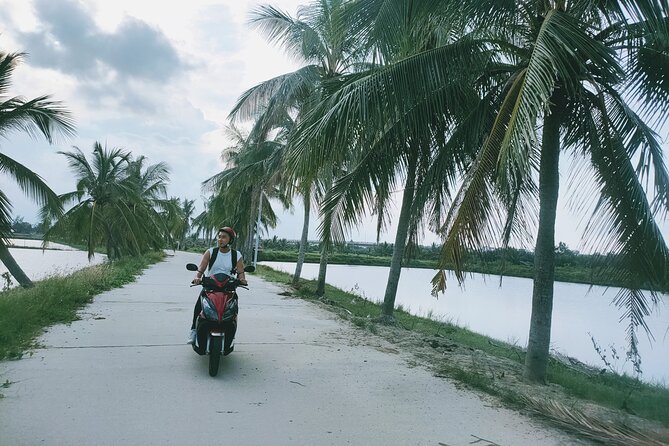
point(217, 323)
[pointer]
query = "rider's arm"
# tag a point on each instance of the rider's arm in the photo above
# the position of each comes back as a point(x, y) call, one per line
point(203, 266)
point(241, 275)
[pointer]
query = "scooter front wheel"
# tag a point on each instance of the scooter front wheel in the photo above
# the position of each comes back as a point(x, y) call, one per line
point(215, 347)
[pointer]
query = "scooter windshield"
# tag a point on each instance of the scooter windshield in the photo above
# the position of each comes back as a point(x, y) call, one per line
point(219, 282)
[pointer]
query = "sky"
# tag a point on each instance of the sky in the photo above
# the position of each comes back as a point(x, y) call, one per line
point(157, 79)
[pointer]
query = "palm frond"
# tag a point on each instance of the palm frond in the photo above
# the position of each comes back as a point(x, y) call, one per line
point(471, 221)
point(402, 96)
point(623, 223)
point(652, 13)
point(5, 218)
point(68, 226)
point(433, 192)
point(282, 91)
point(8, 63)
point(296, 37)
point(370, 179)
point(603, 431)
point(31, 184)
point(649, 77)
point(77, 161)
point(37, 116)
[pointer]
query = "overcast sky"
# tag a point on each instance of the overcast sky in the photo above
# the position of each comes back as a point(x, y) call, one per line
point(156, 78)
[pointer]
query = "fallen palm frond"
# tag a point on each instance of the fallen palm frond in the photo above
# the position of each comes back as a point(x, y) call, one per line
point(607, 432)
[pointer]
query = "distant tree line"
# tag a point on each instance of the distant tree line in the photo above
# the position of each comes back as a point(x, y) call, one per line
point(22, 227)
point(564, 256)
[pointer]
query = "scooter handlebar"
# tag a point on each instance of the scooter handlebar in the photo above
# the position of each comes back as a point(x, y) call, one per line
point(246, 287)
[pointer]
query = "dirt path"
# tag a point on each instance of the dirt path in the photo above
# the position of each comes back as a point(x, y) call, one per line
point(298, 376)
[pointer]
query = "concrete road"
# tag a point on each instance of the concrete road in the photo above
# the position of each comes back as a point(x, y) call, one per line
point(122, 375)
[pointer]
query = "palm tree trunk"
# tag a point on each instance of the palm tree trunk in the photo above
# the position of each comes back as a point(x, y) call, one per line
point(13, 267)
point(305, 235)
point(400, 243)
point(247, 246)
point(322, 271)
point(325, 243)
point(538, 343)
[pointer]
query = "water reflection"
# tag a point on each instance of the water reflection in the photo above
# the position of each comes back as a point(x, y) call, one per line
point(57, 260)
point(503, 312)
point(37, 244)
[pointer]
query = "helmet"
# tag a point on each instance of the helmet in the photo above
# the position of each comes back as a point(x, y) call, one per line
point(231, 232)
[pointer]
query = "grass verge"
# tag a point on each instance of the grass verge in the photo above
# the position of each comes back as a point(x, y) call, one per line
point(489, 365)
point(25, 313)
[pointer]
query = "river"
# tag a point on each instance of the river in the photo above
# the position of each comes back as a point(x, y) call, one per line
point(502, 311)
point(57, 260)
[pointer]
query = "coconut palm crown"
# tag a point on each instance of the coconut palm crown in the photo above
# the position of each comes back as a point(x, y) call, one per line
point(116, 204)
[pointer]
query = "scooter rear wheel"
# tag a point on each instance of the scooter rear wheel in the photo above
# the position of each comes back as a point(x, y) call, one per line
point(215, 347)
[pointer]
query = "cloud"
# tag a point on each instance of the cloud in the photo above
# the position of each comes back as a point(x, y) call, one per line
point(217, 31)
point(67, 39)
point(116, 95)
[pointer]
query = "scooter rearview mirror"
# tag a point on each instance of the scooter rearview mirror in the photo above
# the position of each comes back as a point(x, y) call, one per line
point(191, 266)
point(250, 268)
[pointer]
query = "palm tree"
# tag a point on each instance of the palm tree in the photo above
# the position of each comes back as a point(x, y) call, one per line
point(574, 71)
point(205, 223)
point(546, 76)
point(384, 126)
point(174, 220)
point(178, 217)
point(149, 186)
point(249, 182)
point(36, 116)
point(319, 38)
point(116, 203)
point(188, 208)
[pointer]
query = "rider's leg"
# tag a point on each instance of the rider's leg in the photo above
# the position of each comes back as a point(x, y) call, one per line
point(196, 311)
point(230, 331)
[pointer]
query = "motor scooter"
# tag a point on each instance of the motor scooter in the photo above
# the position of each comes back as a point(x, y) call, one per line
point(217, 323)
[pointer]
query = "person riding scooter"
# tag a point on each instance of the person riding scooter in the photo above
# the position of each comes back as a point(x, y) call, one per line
point(219, 259)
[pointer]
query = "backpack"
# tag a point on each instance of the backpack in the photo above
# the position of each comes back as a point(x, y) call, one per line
point(212, 259)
